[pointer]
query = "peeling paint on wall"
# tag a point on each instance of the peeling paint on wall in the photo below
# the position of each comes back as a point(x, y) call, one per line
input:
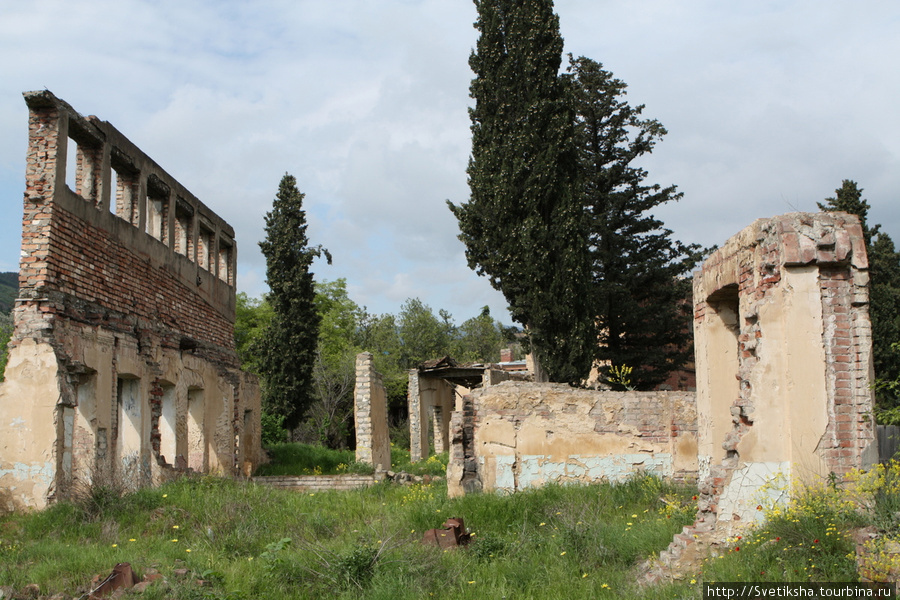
point(520, 435)
point(754, 488)
point(783, 355)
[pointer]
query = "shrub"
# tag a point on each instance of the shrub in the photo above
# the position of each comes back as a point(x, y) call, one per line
point(273, 430)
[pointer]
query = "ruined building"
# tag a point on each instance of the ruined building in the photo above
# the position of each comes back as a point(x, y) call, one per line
point(123, 358)
point(783, 355)
point(783, 349)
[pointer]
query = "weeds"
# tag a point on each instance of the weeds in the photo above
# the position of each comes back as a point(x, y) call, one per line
point(487, 547)
point(356, 566)
point(810, 538)
point(435, 465)
point(308, 459)
point(250, 541)
point(105, 487)
point(305, 459)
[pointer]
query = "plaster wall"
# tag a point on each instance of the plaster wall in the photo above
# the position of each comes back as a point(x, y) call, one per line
point(783, 354)
point(27, 473)
point(526, 435)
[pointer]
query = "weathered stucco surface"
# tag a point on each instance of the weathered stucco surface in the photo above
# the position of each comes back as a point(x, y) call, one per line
point(517, 435)
point(783, 357)
point(27, 472)
point(122, 359)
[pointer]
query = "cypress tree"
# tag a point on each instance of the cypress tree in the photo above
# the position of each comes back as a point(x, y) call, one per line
point(287, 350)
point(523, 226)
point(848, 198)
point(640, 287)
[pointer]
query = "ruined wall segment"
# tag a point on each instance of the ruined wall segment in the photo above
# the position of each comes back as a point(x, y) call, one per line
point(123, 351)
point(373, 443)
point(430, 399)
point(418, 419)
point(783, 357)
point(517, 435)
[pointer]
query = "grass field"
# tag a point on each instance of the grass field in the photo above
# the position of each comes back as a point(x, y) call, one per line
point(250, 541)
point(308, 459)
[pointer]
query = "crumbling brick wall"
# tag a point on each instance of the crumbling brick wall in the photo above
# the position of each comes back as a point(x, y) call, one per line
point(516, 435)
point(123, 350)
point(783, 360)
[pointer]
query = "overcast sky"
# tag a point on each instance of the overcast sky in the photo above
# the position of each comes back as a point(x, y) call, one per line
point(769, 105)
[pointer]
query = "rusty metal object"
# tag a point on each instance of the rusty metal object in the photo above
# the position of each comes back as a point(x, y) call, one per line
point(451, 535)
point(121, 577)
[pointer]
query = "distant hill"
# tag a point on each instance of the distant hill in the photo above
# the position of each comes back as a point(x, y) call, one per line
point(9, 289)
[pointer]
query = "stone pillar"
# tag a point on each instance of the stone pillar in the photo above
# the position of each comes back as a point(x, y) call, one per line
point(418, 424)
point(373, 444)
point(784, 361)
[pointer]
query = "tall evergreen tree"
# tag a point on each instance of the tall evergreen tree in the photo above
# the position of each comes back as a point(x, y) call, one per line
point(640, 289)
point(848, 198)
point(287, 351)
point(523, 225)
point(884, 287)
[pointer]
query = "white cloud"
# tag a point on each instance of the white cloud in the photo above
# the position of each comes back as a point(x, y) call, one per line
point(769, 106)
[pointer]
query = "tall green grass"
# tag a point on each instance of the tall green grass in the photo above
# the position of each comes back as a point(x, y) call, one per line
point(811, 538)
point(309, 459)
point(251, 541)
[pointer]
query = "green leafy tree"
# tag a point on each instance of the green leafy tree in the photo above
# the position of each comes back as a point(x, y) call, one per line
point(640, 288)
point(339, 331)
point(423, 335)
point(9, 289)
point(848, 198)
point(480, 339)
point(334, 372)
point(523, 225)
point(884, 289)
point(287, 351)
point(252, 317)
point(884, 309)
point(380, 335)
